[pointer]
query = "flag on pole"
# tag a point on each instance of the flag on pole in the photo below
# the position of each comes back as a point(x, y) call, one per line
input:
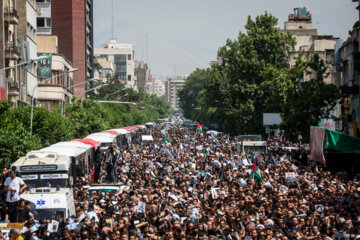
point(198, 128)
point(93, 175)
point(255, 173)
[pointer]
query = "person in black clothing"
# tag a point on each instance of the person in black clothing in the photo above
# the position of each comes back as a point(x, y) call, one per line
point(23, 215)
point(5, 175)
point(97, 164)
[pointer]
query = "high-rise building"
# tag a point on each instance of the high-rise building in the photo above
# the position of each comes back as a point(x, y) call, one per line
point(72, 22)
point(122, 55)
point(172, 86)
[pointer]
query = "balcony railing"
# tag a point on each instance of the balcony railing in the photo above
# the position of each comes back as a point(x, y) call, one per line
point(10, 10)
point(12, 52)
point(10, 15)
point(12, 48)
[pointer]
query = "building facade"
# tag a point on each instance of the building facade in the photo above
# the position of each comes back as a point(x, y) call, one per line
point(141, 74)
point(60, 88)
point(44, 17)
point(309, 42)
point(159, 88)
point(27, 30)
point(172, 86)
point(108, 68)
point(348, 66)
point(72, 22)
point(10, 79)
point(122, 55)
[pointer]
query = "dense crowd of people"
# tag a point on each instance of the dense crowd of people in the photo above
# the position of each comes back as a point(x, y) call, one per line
point(189, 185)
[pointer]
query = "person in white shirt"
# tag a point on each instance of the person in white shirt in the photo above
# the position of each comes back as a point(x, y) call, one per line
point(14, 186)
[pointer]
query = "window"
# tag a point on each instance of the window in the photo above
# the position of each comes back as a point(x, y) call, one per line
point(43, 22)
point(40, 22)
point(129, 57)
point(129, 77)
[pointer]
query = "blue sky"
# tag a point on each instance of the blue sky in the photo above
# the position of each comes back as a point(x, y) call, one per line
point(187, 33)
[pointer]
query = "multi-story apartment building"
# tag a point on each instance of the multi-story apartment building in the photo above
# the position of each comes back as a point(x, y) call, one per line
point(10, 81)
point(348, 65)
point(44, 17)
point(108, 68)
point(27, 30)
point(158, 88)
point(122, 55)
point(72, 22)
point(172, 86)
point(60, 88)
point(309, 42)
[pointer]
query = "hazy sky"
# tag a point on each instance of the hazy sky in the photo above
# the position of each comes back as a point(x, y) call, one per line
point(187, 33)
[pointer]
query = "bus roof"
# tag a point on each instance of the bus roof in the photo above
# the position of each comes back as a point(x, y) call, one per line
point(41, 158)
point(120, 131)
point(63, 150)
point(79, 145)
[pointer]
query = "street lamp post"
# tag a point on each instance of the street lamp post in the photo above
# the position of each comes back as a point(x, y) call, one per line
point(20, 64)
point(108, 95)
point(92, 89)
point(24, 63)
point(33, 92)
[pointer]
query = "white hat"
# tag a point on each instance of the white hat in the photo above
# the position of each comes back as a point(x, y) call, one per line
point(102, 201)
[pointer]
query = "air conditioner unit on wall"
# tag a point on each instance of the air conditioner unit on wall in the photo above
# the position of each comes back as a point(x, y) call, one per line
point(11, 79)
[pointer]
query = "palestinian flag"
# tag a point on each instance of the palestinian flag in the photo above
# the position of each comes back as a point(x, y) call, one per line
point(198, 128)
point(204, 153)
point(255, 173)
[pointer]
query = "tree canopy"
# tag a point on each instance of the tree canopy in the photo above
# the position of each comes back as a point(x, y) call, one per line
point(253, 77)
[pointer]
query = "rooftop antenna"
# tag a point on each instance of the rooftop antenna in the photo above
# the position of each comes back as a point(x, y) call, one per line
point(112, 20)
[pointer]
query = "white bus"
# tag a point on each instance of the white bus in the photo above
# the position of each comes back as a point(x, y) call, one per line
point(43, 169)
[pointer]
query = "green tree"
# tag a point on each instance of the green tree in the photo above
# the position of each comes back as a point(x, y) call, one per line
point(15, 139)
point(86, 117)
point(231, 95)
point(307, 102)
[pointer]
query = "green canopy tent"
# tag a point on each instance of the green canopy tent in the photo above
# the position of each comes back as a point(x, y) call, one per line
point(332, 142)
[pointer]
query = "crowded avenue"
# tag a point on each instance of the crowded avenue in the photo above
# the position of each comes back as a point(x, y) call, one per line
point(182, 182)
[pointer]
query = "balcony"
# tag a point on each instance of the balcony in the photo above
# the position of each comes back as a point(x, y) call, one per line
point(10, 15)
point(12, 52)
